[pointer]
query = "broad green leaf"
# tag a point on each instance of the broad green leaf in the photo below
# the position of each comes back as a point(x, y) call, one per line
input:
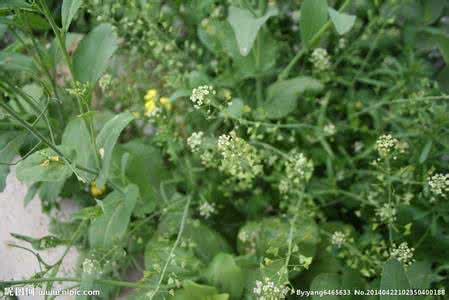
point(209, 242)
point(326, 282)
point(226, 275)
point(68, 11)
point(10, 144)
point(91, 271)
point(146, 169)
point(76, 135)
point(183, 263)
point(282, 95)
point(16, 62)
point(246, 26)
point(235, 109)
point(91, 57)
point(32, 191)
point(313, 17)
point(420, 275)
point(195, 291)
point(49, 191)
point(108, 229)
point(106, 140)
point(45, 165)
point(342, 22)
point(432, 10)
point(394, 278)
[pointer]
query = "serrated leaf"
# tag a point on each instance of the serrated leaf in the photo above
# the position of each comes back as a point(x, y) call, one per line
point(342, 22)
point(68, 11)
point(106, 140)
point(91, 57)
point(282, 95)
point(38, 166)
point(109, 228)
point(246, 26)
point(394, 278)
point(313, 17)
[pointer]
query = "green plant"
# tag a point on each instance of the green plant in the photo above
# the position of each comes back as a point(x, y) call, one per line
point(245, 149)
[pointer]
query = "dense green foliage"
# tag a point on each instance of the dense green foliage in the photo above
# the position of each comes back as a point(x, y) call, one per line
point(234, 149)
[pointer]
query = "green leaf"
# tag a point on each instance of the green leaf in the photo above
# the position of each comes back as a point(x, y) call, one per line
point(32, 191)
point(425, 152)
point(420, 275)
point(226, 275)
point(146, 169)
point(42, 243)
point(235, 109)
point(394, 278)
point(10, 144)
point(40, 167)
point(106, 140)
point(209, 242)
point(326, 282)
point(432, 10)
point(443, 44)
point(246, 26)
point(183, 262)
point(313, 17)
point(68, 11)
point(76, 135)
point(108, 229)
point(282, 95)
point(91, 57)
point(16, 62)
point(14, 4)
point(342, 22)
point(195, 291)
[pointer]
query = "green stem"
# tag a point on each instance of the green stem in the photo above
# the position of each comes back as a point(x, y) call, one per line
point(315, 39)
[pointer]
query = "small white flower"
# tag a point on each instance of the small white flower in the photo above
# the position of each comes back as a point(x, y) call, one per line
point(386, 213)
point(207, 209)
point(385, 144)
point(439, 184)
point(195, 141)
point(202, 95)
point(338, 238)
point(320, 59)
point(330, 129)
point(101, 152)
point(403, 254)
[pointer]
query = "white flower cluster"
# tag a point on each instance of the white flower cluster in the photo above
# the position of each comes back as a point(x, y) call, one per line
point(268, 290)
point(386, 213)
point(239, 159)
point(385, 144)
point(201, 95)
point(195, 141)
point(403, 254)
point(338, 238)
point(207, 209)
point(298, 170)
point(330, 129)
point(320, 59)
point(439, 184)
point(90, 266)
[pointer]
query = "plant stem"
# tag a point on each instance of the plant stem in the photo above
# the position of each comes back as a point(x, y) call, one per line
point(315, 39)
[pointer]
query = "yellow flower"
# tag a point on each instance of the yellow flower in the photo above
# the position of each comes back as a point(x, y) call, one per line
point(45, 163)
point(96, 191)
point(165, 101)
point(150, 107)
point(150, 95)
point(54, 158)
point(136, 114)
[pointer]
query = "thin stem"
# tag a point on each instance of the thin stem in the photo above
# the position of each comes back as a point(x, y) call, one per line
point(315, 39)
